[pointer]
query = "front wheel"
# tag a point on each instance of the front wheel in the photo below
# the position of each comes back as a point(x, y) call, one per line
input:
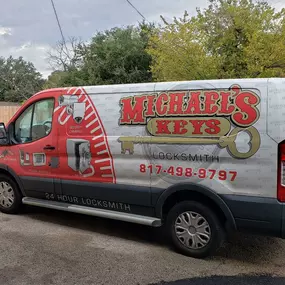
point(194, 229)
point(10, 196)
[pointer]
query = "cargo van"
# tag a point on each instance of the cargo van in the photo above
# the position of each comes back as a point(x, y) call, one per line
point(200, 159)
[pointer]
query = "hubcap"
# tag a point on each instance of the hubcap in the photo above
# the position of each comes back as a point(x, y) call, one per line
point(6, 195)
point(192, 230)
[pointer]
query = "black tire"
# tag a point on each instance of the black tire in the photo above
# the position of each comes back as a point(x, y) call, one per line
point(216, 230)
point(15, 207)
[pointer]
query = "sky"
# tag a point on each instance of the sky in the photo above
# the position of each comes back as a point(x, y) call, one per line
point(28, 28)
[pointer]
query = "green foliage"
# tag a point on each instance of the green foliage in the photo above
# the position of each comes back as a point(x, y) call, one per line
point(229, 39)
point(18, 79)
point(178, 53)
point(72, 77)
point(118, 56)
point(112, 57)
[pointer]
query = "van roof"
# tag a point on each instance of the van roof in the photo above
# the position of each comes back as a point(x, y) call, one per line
point(145, 87)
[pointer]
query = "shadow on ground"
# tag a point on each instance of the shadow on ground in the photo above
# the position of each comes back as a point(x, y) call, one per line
point(223, 280)
point(240, 247)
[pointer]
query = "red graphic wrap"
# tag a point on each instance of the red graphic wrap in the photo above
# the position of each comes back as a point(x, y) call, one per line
point(90, 133)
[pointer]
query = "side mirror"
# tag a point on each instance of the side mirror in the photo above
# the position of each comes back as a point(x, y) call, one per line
point(3, 135)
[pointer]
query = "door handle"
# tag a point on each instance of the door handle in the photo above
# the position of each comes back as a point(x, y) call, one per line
point(49, 147)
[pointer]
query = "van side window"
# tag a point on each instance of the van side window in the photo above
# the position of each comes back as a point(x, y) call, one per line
point(23, 126)
point(35, 122)
point(42, 119)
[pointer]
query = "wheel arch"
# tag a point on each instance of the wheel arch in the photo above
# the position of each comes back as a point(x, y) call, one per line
point(4, 169)
point(191, 189)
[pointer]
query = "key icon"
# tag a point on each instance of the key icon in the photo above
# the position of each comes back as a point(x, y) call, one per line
point(228, 142)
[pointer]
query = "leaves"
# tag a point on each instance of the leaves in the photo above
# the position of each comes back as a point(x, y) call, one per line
point(18, 79)
point(179, 54)
point(112, 57)
point(118, 56)
point(229, 39)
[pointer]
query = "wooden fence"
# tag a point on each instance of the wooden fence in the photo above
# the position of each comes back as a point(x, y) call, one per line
point(7, 110)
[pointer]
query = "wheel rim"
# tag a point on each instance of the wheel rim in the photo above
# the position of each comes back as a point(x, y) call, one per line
point(7, 196)
point(192, 230)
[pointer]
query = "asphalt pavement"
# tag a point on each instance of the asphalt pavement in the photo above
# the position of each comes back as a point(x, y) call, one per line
point(50, 247)
point(233, 280)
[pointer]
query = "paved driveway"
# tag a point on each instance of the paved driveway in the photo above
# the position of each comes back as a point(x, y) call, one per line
point(50, 247)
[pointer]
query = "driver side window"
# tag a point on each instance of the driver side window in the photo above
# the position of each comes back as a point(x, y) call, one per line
point(35, 122)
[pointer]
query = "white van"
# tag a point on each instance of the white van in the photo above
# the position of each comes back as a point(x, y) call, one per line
point(201, 158)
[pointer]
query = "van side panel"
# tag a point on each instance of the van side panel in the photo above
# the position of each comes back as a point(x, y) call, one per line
point(214, 164)
point(92, 168)
point(214, 134)
point(276, 106)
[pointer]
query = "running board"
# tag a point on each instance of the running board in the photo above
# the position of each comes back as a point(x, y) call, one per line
point(126, 217)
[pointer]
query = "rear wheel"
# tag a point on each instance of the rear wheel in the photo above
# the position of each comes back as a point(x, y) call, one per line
point(194, 229)
point(10, 196)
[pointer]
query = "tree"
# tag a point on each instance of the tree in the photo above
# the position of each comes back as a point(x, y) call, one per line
point(72, 77)
point(66, 61)
point(19, 79)
point(229, 39)
point(66, 55)
point(178, 53)
point(112, 57)
point(118, 56)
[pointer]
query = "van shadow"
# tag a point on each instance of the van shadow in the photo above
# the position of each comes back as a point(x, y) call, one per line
point(240, 247)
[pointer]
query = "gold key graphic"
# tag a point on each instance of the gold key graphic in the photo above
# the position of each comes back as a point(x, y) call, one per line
point(228, 142)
